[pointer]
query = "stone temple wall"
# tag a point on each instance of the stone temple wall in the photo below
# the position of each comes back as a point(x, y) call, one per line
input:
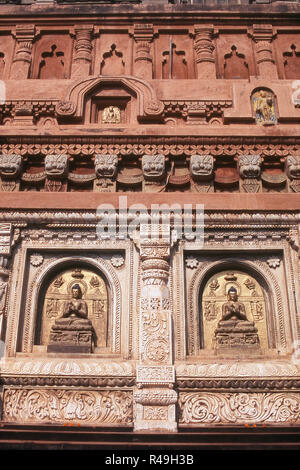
point(149, 232)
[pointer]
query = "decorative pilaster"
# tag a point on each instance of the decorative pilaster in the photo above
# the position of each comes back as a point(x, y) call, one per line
point(21, 62)
point(6, 242)
point(263, 36)
point(143, 35)
point(204, 47)
point(81, 66)
point(155, 398)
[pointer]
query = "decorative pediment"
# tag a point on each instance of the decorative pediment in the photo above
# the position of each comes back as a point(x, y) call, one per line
point(115, 90)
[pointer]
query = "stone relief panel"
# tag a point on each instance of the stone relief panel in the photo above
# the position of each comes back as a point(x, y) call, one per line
point(61, 406)
point(58, 298)
point(239, 408)
point(264, 107)
point(220, 311)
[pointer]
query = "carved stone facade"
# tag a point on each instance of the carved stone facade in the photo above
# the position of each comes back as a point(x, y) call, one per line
point(161, 309)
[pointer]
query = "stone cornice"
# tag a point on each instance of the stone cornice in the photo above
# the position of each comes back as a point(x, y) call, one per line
point(163, 12)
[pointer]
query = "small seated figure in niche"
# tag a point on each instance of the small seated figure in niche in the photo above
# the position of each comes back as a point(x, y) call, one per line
point(111, 115)
point(234, 330)
point(264, 108)
point(73, 331)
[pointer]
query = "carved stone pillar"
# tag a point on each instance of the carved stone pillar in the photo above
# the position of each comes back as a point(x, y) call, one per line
point(263, 35)
point(143, 35)
point(155, 398)
point(81, 65)
point(250, 172)
point(21, 62)
point(206, 67)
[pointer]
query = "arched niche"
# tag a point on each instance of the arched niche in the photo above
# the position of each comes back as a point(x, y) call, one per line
point(257, 273)
point(138, 97)
point(264, 106)
point(51, 287)
point(214, 295)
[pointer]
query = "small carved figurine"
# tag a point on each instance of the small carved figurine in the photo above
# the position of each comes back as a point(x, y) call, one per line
point(264, 107)
point(111, 115)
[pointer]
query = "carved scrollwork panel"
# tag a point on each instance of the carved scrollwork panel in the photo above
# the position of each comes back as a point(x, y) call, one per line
point(239, 408)
point(61, 406)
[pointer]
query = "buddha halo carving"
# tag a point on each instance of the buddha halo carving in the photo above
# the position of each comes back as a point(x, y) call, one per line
point(106, 165)
point(153, 167)
point(56, 166)
point(10, 165)
point(249, 166)
point(201, 167)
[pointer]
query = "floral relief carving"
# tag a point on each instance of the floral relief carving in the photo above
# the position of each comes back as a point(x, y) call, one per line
point(239, 408)
point(60, 406)
point(274, 262)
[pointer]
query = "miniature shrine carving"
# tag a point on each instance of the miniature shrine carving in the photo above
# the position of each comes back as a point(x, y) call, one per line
point(111, 115)
point(263, 102)
point(234, 313)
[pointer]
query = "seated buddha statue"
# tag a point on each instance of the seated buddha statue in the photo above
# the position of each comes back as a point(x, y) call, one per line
point(234, 329)
point(73, 331)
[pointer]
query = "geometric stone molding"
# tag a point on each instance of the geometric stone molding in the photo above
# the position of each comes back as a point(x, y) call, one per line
point(61, 406)
point(239, 408)
point(52, 367)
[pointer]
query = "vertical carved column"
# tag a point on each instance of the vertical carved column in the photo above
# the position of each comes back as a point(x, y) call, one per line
point(81, 65)
point(155, 398)
point(143, 35)
point(203, 45)
point(21, 63)
point(263, 35)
